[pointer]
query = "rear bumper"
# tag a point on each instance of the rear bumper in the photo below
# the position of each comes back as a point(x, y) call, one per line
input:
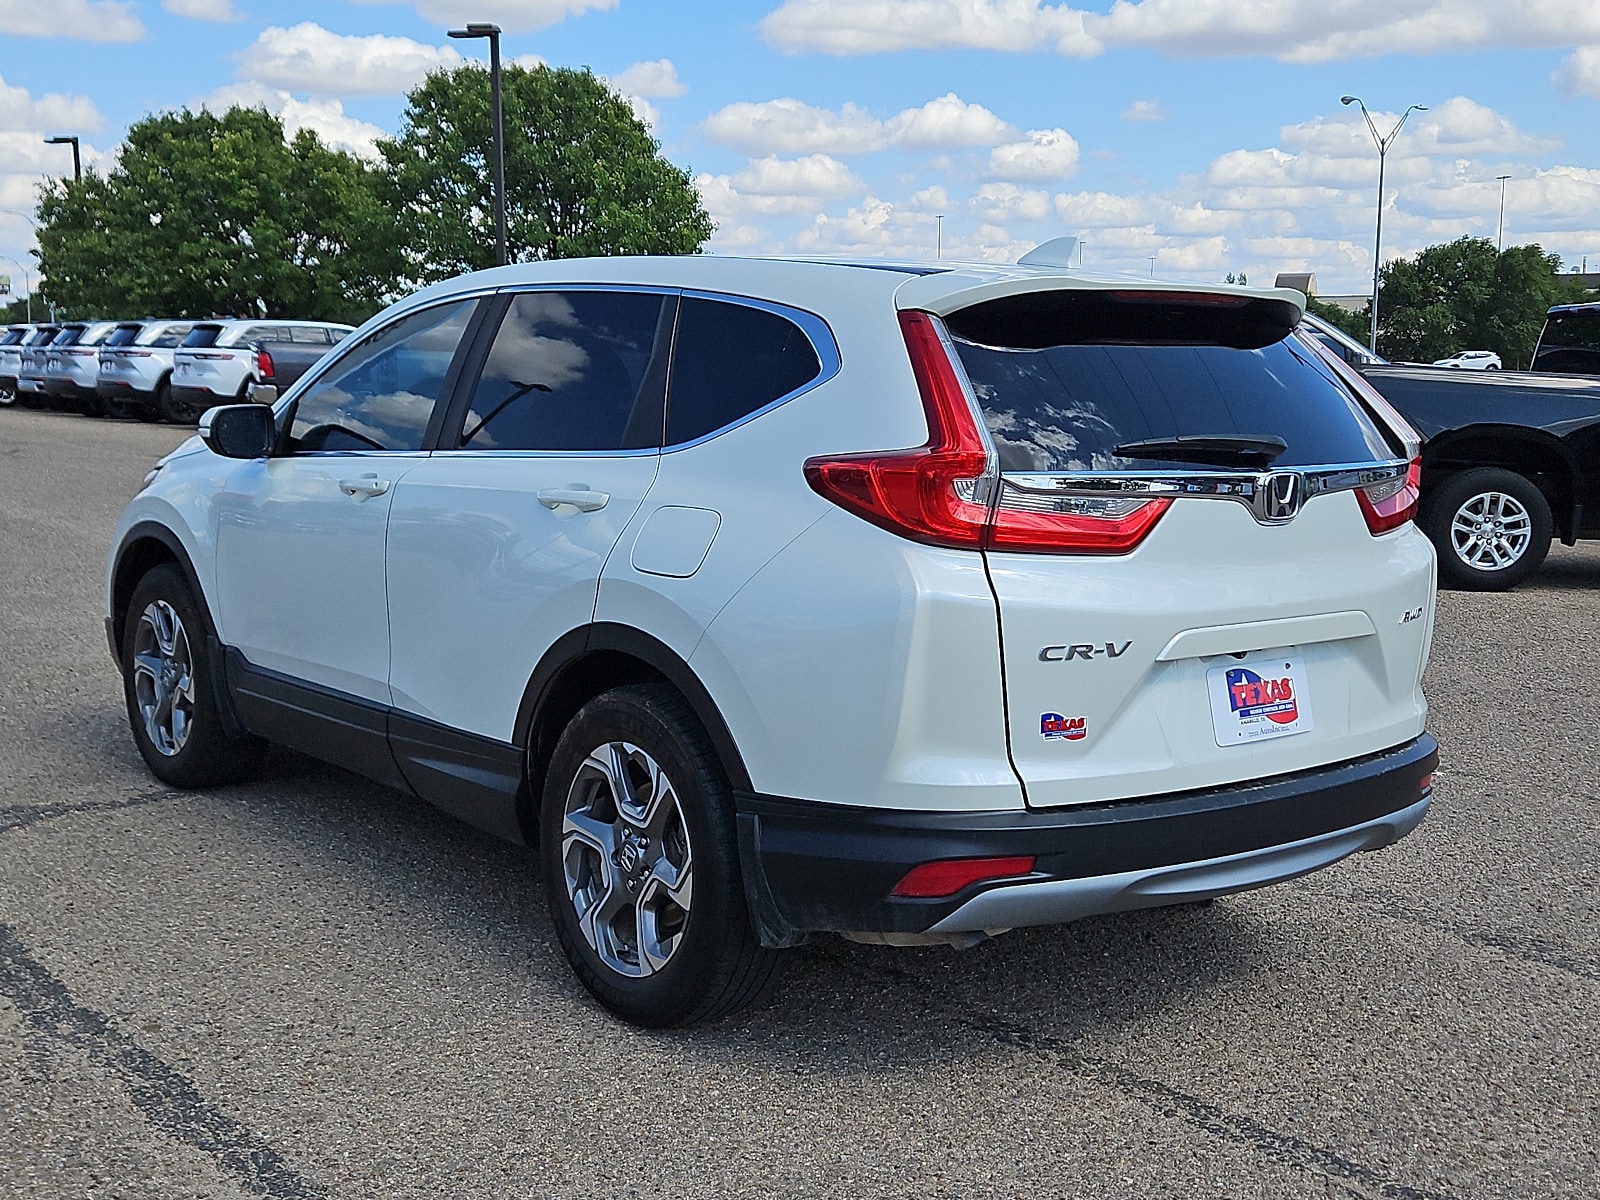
point(813, 867)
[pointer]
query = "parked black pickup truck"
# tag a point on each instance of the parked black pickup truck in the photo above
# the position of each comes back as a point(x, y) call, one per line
point(279, 364)
point(1510, 459)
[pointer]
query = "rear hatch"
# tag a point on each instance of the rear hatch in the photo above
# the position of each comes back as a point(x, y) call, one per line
point(1199, 543)
point(202, 364)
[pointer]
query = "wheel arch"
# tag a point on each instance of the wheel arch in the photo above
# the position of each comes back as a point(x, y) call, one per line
point(1541, 458)
point(593, 659)
point(145, 546)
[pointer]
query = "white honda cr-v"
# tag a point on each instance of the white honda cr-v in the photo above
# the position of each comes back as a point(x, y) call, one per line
point(770, 597)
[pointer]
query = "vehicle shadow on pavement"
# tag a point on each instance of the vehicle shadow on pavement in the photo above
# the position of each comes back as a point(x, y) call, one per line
point(841, 1006)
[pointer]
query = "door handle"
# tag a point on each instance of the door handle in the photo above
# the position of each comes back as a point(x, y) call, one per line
point(364, 487)
point(580, 498)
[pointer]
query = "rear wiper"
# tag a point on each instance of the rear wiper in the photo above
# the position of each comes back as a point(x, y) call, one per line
point(1220, 450)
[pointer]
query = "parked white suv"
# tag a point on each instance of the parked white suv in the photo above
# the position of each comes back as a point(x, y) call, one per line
point(776, 597)
point(136, 367)
point(216, 363)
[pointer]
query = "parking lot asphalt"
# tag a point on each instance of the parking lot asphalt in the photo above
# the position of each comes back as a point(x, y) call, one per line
point(313, 987)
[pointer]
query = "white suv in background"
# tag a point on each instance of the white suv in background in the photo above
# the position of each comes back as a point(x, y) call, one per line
point(136, 367)
point(216, 364)
point(773, 597)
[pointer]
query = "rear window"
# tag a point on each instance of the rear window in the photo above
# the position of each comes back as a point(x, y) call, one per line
point(123, 335)
point(1066, 379)
point(202, 336)
point(68, 336)
point(309, 334)
point(1571, 342)
point(12, 337)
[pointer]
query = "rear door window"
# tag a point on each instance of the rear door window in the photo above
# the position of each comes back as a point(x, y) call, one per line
point(309, 334)
point(1071, 381)
point(731, 360)
point(573, 370)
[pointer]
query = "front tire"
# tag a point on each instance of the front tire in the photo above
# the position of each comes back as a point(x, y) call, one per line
point(167, 672)
point(639, 853)
point(1491, 528)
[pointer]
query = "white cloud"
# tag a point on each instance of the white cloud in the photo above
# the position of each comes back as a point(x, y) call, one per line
point(997, 202)
point(790, 126)
point(308, 58)
point(203, 10)
point(874, 26)
point(1144, 110)
point(83, 20)
point(19, 111)
point(513, 16)
point(1292, 30)
point(947, 122)
point(658, 80)
point(324, 117)
point(771, 186)
point(1579, 73)
point(1046, 155)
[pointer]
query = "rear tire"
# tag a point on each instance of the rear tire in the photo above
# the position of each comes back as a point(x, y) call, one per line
point(1491, 528)
point(167, 674)
point(639, 853)
point(171, 410)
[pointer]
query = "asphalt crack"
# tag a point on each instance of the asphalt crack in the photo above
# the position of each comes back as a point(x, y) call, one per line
point(1351, 1178)
point(20, 816)
point(168, 1100)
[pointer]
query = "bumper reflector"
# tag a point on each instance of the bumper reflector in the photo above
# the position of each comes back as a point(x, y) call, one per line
point(946, 877)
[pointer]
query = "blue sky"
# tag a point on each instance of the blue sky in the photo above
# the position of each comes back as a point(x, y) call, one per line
point(1189, 137)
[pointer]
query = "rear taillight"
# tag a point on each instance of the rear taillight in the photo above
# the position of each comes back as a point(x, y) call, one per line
point(934, 493)
point(948, 876)
point(264, 366)
point(1391, 504)
point(944, 492)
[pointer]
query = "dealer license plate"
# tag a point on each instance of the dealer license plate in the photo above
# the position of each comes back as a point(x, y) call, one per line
point(1264, 696)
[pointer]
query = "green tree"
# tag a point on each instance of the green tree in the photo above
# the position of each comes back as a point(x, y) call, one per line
point(207, 214)
point(1465, 296)
point(583, 174)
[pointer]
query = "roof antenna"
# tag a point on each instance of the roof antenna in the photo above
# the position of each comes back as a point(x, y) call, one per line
point(1057, 252)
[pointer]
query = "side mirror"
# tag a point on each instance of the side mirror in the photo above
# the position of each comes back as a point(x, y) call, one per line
point(262, 393)
point(239, 431)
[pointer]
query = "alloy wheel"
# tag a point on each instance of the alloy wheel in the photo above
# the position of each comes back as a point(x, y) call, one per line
point(163, 677)
point(626, 859)
point(1491, 531)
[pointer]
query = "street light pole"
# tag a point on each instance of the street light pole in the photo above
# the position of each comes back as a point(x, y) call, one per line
point(77, 162)
point(1383, 144)
point(481, 29)
point(1500, 238)
point(938, 235)
point(27, 282)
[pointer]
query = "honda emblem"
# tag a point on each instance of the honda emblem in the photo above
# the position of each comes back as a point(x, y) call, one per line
point(1278, 497)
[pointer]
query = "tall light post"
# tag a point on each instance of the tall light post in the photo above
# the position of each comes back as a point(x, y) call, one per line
point(77, 162)
point(938, 235)
point(1383, 144)
point(482, 29)
point(27, 282)
point(1500, 238)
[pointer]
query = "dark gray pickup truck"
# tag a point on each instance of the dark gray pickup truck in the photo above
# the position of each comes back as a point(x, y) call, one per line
point(1510, 460)
point(279, 364)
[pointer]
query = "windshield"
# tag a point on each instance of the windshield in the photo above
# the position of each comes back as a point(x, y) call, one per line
point(1085, 402)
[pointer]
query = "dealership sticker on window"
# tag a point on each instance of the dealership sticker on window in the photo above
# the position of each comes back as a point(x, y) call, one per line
point(1053, 727)
point(1264, 698)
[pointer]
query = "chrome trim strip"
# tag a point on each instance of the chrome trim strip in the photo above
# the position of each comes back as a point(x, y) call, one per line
point(1262, 492)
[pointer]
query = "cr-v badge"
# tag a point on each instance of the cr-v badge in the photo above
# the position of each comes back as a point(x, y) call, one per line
point(1083, 650)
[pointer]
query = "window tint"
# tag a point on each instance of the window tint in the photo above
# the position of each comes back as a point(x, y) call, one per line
point(1571, 342)
point(304, 333)
point(68, 336)
point(728, 361)
point(1058, 403)
point(202, 335)
point(381, 394)
point(571, 371)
